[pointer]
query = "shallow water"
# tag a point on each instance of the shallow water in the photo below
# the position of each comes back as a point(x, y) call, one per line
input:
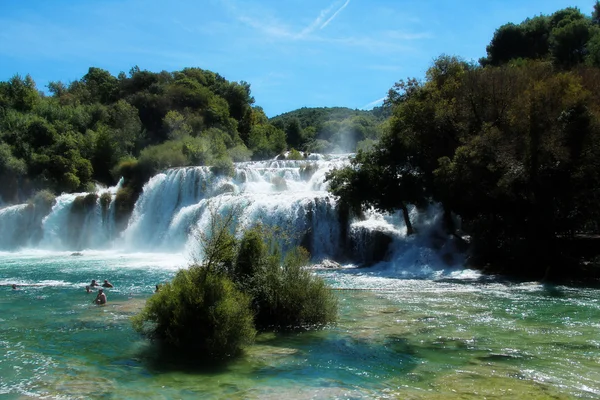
point(456, 335)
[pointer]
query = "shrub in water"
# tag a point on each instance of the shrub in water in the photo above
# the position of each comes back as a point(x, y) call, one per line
point(200, 312)
point(105, 200)
point(285, 295)
point(294, 155)
point(223, 166)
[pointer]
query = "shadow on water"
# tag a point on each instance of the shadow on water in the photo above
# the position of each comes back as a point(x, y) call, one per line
point(309, 358)
point(159, 358)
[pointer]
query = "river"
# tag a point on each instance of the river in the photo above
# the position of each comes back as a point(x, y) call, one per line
point(451, 334)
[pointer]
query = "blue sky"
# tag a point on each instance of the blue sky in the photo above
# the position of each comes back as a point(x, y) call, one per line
point(294, 53)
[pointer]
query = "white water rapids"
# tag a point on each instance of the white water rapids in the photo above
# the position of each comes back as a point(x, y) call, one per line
point(290, 195)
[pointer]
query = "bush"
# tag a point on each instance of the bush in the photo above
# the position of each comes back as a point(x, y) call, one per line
point(82, 204)
point(223, 166)
point(285, 295)
point(239, 153)
point(210, 310)
point(163, 156)
point(43, 200)
point(124, 203)
point(201, 312)
point(105, 200)
point(295, 155)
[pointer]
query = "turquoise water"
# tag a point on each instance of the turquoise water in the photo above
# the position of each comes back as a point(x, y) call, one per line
point(453, 335)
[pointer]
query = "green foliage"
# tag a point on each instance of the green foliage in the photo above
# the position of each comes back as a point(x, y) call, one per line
point(210, 310)
point(81, 133)
point(124, 203)
point(240, 153)
point(163, 156)
point(285, 295)
point(43, 201)
point(295, 155)
point(565, 37)
point(223, 166)
point(266, 141)
point(200, 312)
point(335, 129)
point(511, 149)
point(568, 42)
point(105, 200)
point(176, 125)
point(82, 204)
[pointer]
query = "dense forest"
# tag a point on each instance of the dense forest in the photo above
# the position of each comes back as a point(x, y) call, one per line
point(102, 127)
point(510, 145)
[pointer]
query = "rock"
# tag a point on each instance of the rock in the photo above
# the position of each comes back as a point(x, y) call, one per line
point(76, 254)
point(328, 264)
point(224, 188)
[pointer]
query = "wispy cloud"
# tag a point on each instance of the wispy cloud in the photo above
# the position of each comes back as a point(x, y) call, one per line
point(276, 29)
point(318, 22)
point(373, 104)
point(265, 22)
point(335, 14)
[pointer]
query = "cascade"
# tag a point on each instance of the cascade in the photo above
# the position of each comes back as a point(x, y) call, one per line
point(175, 207)
point(290, 195)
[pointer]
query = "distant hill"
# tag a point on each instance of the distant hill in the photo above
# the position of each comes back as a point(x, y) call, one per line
point(314, 116)
point(330, 129)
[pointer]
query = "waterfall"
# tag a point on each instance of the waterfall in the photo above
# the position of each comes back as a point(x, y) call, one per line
point(16, 223)
point(289, 196)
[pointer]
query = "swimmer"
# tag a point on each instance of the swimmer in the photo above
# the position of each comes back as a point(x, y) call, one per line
point(14, 286)
point(107, 283)
point(88, 290)
point(94, 283)
point(101, 298)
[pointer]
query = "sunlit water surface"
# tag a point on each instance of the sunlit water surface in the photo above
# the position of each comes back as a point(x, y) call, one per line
point(452, 335)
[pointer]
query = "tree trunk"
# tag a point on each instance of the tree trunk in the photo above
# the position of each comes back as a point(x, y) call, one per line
point(409, 228)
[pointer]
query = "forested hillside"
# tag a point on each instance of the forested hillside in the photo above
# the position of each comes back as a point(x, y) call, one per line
point(511, 147)
point(102, 127)
point(330, 129)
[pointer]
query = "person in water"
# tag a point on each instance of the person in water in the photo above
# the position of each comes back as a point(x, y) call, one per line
point(14, 286)
point(88, 290)
point(107, 283)
point(94, 283)
point(101, 298)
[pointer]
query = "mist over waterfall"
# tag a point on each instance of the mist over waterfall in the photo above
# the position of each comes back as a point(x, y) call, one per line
point(176, 205)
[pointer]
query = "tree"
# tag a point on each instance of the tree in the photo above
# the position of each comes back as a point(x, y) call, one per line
point(101, 85)
point(596, 13)
point(568, 42)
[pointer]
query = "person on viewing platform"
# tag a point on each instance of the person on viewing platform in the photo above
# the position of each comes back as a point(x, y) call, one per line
point(101, 298)
point(107, 283)
point(94, 283)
